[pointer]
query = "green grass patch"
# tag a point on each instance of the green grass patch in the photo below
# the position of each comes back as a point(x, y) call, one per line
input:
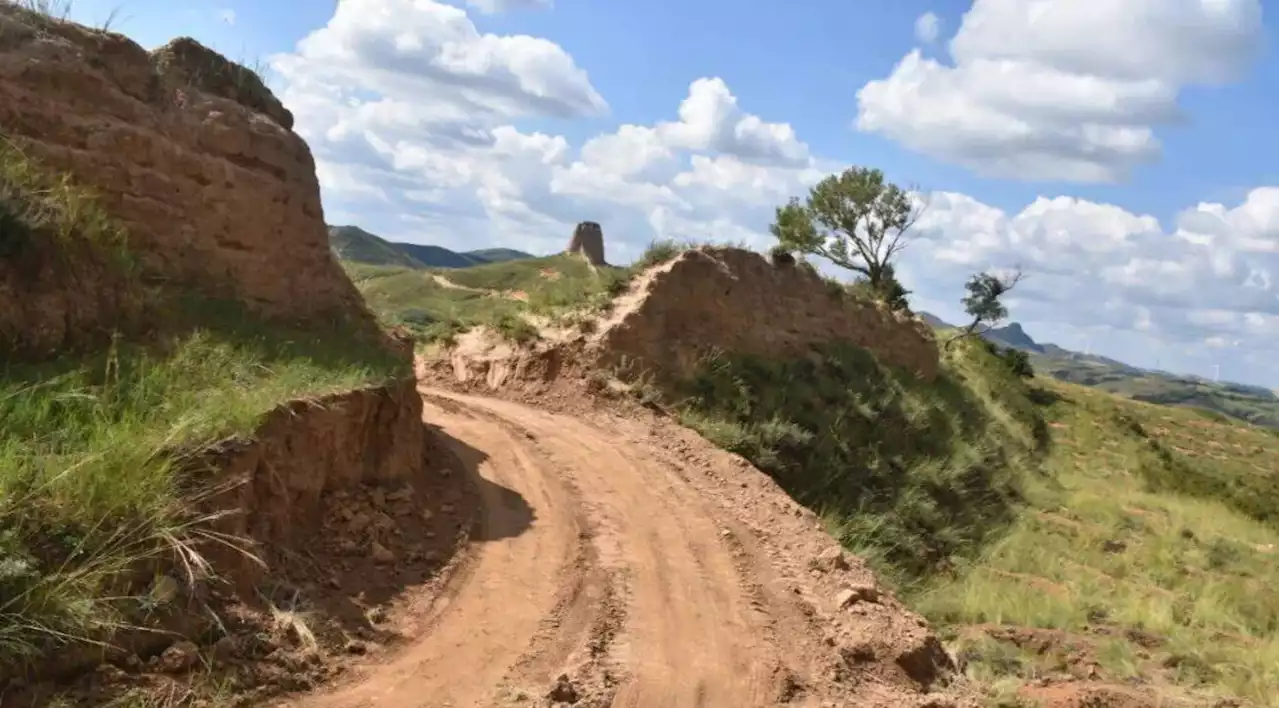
point(990, 499)
point(498, 295)
point(915, 474)
point(1123, 536)
point(91, 463)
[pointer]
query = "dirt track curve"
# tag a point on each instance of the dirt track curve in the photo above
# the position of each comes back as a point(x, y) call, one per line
point(597, 559)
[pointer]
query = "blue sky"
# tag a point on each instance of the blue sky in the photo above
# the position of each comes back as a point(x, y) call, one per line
point(1080, 145)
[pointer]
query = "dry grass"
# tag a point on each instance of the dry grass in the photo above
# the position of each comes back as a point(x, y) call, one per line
point(1194, 574)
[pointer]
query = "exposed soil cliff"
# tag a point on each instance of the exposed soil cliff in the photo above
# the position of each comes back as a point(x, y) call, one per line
point(735, 300)
point(188, 151)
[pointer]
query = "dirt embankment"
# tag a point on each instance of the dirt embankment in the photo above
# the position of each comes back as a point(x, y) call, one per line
point(324, 518)
point(191, 153)
point(673, 315)
point(737, 301)
point(333, 506)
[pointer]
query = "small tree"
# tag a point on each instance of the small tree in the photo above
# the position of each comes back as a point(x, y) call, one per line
point(856, 219)
point(983, 302)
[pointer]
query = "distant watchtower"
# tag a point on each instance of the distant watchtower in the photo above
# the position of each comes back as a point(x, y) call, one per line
point(588, 240)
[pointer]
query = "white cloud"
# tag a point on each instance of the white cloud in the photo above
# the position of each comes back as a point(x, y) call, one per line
point(416, 138)
point(1208, 282)
point(1060, 89)
point(490, 7)
point(927, 27)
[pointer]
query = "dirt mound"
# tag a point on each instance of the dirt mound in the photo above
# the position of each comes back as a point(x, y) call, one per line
point(735, 300)
point(188, 151)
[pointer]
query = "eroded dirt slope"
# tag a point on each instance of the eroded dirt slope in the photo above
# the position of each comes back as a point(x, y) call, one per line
point(626, 562)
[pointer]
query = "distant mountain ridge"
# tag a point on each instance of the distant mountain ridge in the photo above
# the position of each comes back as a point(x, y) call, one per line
point(352, 243)
point(1252, 404)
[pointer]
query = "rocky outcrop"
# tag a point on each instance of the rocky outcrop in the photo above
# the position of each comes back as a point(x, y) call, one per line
point(588, 240)
point(188, 151)
point(735, 300)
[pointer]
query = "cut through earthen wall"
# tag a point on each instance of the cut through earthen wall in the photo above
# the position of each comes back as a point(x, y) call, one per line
point(736, 301)
point(186, 150)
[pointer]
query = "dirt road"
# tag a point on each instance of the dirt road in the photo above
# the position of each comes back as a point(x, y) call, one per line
point(601, 576)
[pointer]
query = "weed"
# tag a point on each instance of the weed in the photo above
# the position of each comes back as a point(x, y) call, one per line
point(659, 252)
point(40, 210)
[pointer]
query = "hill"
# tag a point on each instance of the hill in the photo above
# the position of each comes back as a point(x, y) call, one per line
point(355, 245)
point(1252, 404)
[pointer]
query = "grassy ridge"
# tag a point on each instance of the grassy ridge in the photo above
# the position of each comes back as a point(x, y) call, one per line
point(501, 295)
point(1109, 543)
point(914, 473)
point(92, 442)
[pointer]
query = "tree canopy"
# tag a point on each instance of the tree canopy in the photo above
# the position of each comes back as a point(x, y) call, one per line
point(857, 219)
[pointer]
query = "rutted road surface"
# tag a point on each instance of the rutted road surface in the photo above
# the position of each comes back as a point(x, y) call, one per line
point(628, 586)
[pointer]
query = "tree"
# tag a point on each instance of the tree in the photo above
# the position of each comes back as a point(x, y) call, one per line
point(856, 219)
point(983, 301)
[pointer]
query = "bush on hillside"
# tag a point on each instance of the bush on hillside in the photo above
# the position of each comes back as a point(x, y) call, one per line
point(781, 256)
point(890, 291)
point(1017, 361)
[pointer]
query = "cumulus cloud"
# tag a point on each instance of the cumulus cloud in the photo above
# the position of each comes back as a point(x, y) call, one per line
point(490, 7)
point(414, 117)
point(1207, 281)
point(927, 27)
point(1060, 89)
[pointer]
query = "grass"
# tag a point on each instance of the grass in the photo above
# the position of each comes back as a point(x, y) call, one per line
point(915, 474)
point(38, 208)
point(506, 296)
point(1109, 542)
point(94, 462)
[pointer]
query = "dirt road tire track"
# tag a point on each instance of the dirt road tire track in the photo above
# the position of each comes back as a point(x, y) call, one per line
point(627, 580)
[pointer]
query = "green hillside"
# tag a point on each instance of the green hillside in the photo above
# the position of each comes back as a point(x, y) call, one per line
point(1251, 404)
point(353, 244)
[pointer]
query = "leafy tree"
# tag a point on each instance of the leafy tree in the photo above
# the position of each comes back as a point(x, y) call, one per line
point(983, 302)
point(856, 219)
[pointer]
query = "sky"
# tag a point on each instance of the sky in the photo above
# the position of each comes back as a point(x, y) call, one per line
point(1123, 154)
